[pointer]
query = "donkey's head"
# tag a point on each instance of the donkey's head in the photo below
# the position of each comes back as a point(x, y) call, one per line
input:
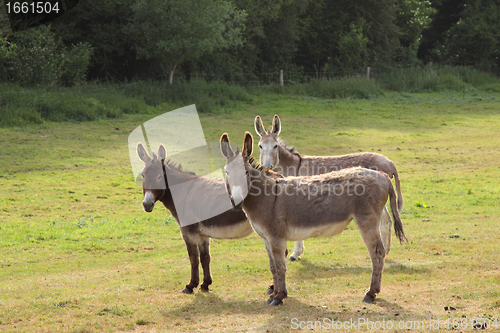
point(153, 176)
point(237, 169)
point(268, 142)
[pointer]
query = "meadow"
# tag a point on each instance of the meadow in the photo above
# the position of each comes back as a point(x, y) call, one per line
point(79, 254)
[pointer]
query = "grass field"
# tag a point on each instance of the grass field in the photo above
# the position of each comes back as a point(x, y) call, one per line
point(78, 253)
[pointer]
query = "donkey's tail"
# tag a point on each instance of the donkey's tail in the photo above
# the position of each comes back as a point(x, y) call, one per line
point(398, 225)
point(398, 189)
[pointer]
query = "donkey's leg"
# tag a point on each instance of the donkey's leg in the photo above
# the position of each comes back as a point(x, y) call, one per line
point(385, 230)
point(192, 241)
point(297, 251)
point(272, 289)
point(370, 232)
point(204, 247)
point(278, 251)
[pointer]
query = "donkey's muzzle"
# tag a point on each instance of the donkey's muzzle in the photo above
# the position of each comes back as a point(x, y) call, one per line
point(148, 206)
point(149, 201)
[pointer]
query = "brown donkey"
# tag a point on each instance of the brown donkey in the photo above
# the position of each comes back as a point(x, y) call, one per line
point(275, 154)
point(205, 192)
point(297, 208)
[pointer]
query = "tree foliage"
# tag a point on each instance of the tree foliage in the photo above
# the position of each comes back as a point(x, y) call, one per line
point(413, 17)
point(239, 40)
point(365, 29)
point(447, 13)
point(102, 24)
point(172, 31)
point(37, 59)
point(475, 38)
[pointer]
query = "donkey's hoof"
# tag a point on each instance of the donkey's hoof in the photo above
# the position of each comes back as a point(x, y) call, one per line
point(270, 290)
point(187, 291)
point(292, 258)
point(204, 289)
point(368, 299)
point(276, 302)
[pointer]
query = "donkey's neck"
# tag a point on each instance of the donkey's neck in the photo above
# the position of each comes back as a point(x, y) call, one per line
point(289, 163)
point(174, 176)
point(262, 191)
point(168, 202)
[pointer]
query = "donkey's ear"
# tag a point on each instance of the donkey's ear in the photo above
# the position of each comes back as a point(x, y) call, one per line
point(142, 153)
point(276, 125)
point(259, 127)
point(162, 153)
point(225, 147)
point(247, 145)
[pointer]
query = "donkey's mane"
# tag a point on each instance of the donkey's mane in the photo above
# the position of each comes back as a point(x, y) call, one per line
point(268, 172)
point(291, 149)
point(177, 166)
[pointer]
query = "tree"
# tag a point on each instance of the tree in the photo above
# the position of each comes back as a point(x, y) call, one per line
point(173, 31)
point(281, 31)
point(5, 29)
point(475, 39)
point(447, 14)
point(102, 24)
point(413, 17)
point(272, 31)
point(37, 59)
point(329, 27)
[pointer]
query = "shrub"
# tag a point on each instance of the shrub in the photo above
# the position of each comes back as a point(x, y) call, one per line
point(7, 53)
point(75, 64)
point(37, 60)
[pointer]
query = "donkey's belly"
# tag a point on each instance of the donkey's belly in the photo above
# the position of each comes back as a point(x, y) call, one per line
point(226, 231)
point(296, 233)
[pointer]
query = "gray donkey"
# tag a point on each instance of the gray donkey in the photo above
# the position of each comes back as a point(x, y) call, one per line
point(296, 208)
point(277, 155)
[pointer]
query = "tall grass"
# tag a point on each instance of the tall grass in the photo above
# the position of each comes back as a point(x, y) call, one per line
point(19, 106)
point(348, 87)
point(207, 96)
point(22, 106)
point(437, 79)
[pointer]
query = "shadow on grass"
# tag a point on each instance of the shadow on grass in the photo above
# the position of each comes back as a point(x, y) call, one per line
point(204, 307)
point(310, 270)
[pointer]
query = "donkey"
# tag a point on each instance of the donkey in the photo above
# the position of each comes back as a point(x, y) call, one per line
point(230, 224)
point(206, 192)
point(277, 155)
point(297, 208)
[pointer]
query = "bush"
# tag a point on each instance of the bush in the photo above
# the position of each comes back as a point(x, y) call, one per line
point(37, 60)
point(7, 53)
point(75, 64)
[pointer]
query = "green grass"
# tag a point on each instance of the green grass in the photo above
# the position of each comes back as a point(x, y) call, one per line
point(23, 107)
point(78, 253)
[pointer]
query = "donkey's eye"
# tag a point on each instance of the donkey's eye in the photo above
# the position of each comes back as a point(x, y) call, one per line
point(247, 172)
point(276, 146)
point(260, 146)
